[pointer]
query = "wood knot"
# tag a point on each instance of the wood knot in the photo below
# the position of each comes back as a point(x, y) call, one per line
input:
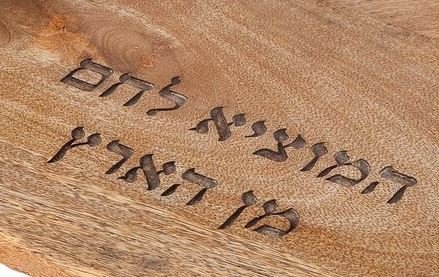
point(56, 25)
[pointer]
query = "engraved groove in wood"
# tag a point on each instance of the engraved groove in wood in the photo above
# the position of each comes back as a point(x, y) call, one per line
point(87, 64)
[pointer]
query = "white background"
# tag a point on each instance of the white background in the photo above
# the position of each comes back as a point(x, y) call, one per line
point(7, 272)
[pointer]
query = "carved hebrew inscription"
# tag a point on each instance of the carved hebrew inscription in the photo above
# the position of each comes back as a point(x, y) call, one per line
point(77, 134)
point(270, 210)
point(89, 65)
point(221, 123)
point(151, 172)
point(128, 80)
point(139, 86)
point(284, 146)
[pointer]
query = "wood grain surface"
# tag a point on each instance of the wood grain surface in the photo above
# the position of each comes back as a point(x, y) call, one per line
point(420, 16)
point(337, 76)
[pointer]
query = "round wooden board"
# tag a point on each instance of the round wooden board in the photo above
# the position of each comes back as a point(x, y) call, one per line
point(259, 88)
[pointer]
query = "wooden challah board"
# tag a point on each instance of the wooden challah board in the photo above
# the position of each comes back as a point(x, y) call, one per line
point(216, 138)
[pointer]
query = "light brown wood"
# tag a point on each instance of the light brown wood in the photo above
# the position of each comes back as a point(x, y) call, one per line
point(420, 16)
point(332, 75)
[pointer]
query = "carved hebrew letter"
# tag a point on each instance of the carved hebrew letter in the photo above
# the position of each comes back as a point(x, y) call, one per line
point(249, 199)
point(149, 171)
point(221, 124)
point(127, 79)
point(196, 178)
point(318, 150)
point(392, 174)
point(281, 154)
point(258, 128)
point(270, 208)
point(342, 159)
point(178, 99)
point(87, 64)
point(126, 152)
point(77, 134)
